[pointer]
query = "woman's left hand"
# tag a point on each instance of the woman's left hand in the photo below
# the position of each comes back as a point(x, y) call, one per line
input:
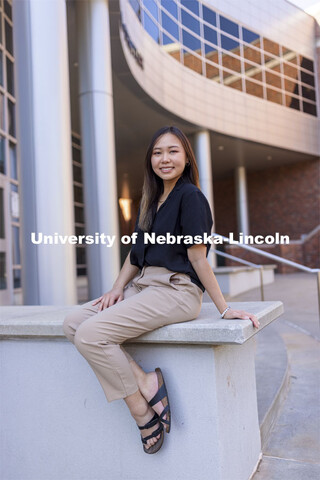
point(241, 314)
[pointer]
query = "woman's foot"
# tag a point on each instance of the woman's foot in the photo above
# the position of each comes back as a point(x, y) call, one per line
point(142, 413)
point(149, 386)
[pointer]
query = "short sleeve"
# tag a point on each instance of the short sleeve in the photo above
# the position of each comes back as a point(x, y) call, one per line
point(196, 217)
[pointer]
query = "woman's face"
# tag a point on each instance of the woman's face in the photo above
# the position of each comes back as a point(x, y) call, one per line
point(168, 158)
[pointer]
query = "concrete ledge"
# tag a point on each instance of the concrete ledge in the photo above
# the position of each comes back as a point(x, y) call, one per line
point(208, 328)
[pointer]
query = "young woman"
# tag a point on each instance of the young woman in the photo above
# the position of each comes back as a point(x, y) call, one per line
point(159, 284)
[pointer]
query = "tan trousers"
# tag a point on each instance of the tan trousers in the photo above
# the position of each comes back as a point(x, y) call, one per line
point(154, 298)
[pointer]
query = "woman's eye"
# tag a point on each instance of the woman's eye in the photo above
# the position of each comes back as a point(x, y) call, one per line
point(173, 151)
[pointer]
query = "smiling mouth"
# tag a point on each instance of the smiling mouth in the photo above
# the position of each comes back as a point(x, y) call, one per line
point(166, 169)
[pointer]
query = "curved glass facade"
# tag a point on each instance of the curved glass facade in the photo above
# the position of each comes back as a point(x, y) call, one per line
point(228, 53)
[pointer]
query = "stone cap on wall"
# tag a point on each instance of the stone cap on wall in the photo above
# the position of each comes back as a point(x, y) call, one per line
point(18, 322)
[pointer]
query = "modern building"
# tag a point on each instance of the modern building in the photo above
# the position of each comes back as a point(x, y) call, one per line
point(84, 85)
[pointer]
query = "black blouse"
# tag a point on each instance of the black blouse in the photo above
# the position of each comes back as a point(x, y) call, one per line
point(186, 212)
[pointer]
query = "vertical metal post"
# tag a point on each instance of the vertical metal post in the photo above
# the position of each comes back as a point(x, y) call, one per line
point(261, 283)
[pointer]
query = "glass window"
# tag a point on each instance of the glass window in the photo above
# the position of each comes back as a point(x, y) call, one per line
point(79, 230)
point(2, 124)
point(291, 87)
point(271, 47)
point(309, 93)
point(292, 102)
point(192, 5)
point(252, 54)
point(1, 68)
point(13, 161)
point(1, 41)
point(76, 140)
point(273, 80)
point(192, 62)
point(170, 26)
point(252, 71)
point(190, 22)
point(210, 35)
point(171, 7)
point(274, 96)
point(228, 26)
point(309, 108)
point(211, 53)
point(11, 118)
point(8, 9)
point(232, 63)
point(290, 71)
point(229, 44)
point(79, 214)
point(254, 89)
point(231, 80)
point(77, 173)
point(76, 154)
point(77, 194)
point(16, 278)
point(150, 27)
point(9, 41)
point(2, 156)
point(2, 225)
point(190, 41)
point(171, 47)
point(152, 7)
point(136, 7)
point(209, 15)
point(307, 78)
point(250, 37)
point(15, 246)
point(212, 72)
point(81, 255)
point(307, 64)
point(3, 275)
point(10, 82)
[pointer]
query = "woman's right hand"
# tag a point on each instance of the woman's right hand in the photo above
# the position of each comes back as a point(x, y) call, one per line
point(110, 298)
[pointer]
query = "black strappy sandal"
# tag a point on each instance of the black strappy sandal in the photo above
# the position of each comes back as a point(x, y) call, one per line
point(156, 447)
point(162, 395)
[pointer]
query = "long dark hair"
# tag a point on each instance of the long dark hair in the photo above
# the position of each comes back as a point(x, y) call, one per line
point(153, 185)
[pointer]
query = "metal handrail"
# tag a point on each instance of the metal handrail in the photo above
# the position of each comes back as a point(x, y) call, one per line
point(250, 264)
point(278, 259)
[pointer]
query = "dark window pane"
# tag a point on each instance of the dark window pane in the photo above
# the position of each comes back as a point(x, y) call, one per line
point(152, 7)
point(190, 41)
point(81, 272)
point(8, 9)
point(292, 102)
point(16, 278)
point(250, 37)
point(9, 41)
point(307, 78)
point(192, 5)
point(209, 15)
point(3, 275)
point(170, 26)
point(77, 173)
point(307, 64)
point(15, 246)
point(309, 93)
point(2, 226)
point(76, 154)
point(151, 27)
point(78, 194)
point(76, 140)
point(190, 22)
point(228, 26)
point(136, 7)
point(80, 231)
point(11, 118)
point(81, 255)
point(79, 214)
point(310, 108)
point(10, 82)
point(210, 35)
point(171, 7)
point(1, 40)
point(291, 87)
point(229, 44)
point(210, 52)
point(13, 161)
point(1, 68)
point(2, 156)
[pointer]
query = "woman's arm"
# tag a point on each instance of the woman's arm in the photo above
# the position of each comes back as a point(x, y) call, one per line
point(197, 257)
point(115, 295)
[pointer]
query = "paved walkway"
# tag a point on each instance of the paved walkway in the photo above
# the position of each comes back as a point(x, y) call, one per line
point(292, 451)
